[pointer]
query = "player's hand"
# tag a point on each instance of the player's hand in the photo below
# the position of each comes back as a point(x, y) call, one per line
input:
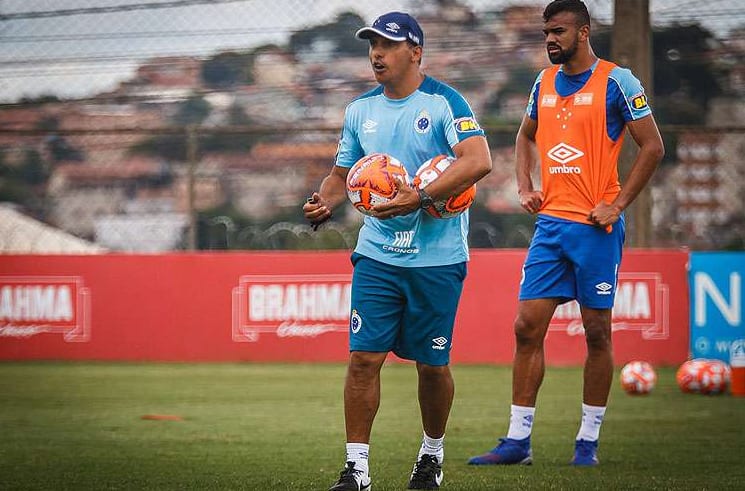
point(531, 201)
point(316, 210)
point(604, 215)
point(405, 202)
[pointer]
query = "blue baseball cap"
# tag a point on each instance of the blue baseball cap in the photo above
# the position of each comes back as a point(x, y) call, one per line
point(396, 26)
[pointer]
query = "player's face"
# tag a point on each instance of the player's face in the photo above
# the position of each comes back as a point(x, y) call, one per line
point(562, 37)
point(391, 60)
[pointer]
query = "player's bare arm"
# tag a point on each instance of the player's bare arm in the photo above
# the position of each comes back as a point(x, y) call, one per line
point(651, 150)
point(526, 159)
point(331, 194)
point(473, 162)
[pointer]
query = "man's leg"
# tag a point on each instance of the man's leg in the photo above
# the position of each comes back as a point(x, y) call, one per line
point(361, 402)
point(436, 389)
point(533, 317)
point(598, 376)
point(528, 368)
point(362, 394)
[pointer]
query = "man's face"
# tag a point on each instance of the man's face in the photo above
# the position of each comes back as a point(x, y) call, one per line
point(391, 60)
point(562, 37)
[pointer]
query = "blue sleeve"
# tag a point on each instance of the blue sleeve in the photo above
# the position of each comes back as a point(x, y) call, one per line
point(532, 109)
point(349, 150)
point(625, 101)
point(460, 123)
point(626, 95)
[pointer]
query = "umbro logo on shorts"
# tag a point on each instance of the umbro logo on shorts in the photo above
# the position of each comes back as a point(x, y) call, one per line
point(439, 343)
point(604, 288)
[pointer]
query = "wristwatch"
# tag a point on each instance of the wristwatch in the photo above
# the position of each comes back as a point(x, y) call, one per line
point(425, 200)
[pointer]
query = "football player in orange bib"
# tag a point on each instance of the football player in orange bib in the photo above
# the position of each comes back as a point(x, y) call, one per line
point(574, 127)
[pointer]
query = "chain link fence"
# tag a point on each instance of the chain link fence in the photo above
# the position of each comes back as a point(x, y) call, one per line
point(151, 126)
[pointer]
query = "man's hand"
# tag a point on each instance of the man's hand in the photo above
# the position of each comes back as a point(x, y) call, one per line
point(604, 215)
point(405, 202)
point(531, 201)
point(316, 210)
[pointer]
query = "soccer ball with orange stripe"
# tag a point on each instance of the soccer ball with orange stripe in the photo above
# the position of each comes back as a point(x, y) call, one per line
point(371, 181)
point(638, 378)
point(444, 208)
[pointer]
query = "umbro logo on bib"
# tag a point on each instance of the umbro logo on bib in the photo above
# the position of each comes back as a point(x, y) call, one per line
point(563, 153)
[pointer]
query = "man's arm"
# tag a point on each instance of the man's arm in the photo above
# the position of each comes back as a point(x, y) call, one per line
point(331, 194)
point(473, 162)
point(526, 158)
point(651, 150)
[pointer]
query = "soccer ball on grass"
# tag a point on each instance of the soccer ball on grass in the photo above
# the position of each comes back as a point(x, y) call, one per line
point(703, 376)
point(638, 378)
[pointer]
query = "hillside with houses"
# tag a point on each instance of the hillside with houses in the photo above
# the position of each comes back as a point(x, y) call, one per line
point(246, 135)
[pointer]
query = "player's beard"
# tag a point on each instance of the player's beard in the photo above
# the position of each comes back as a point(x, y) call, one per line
point(564, 55)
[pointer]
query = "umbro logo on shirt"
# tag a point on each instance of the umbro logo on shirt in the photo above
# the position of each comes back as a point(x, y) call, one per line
point(369, 126)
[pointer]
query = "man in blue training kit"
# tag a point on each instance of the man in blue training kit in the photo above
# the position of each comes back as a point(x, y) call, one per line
point(408, 266)
point(575, 121)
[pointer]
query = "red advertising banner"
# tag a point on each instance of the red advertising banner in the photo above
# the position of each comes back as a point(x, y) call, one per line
point(288, 306)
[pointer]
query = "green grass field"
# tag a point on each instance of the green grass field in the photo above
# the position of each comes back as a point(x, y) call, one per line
point(265, 427)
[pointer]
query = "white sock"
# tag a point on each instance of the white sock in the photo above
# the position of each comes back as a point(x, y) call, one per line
point(592, 418)
point(358, 453)
point(521, 422)
point(432, 446)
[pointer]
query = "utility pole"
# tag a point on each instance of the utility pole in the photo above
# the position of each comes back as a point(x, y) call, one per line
point(631, 47)
point(191, 162)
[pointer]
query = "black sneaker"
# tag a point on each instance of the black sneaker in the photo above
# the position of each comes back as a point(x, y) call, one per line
point(352, 480)
point(427, 473)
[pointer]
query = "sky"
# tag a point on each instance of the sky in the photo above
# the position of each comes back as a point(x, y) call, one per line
point(84, 54)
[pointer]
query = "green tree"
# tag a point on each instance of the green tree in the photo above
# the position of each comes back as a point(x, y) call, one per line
point(33, 170)
point(226, 70)
point(193, 111)
point(685, 76)
point(339, 34)
point(58, 146)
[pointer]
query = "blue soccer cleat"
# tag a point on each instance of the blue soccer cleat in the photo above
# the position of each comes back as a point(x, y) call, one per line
point(508, 452)
point(585, 453)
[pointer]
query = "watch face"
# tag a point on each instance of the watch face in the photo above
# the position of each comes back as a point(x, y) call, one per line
point(425, 200)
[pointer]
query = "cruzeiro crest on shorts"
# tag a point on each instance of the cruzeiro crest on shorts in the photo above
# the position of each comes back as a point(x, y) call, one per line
point(355, 322)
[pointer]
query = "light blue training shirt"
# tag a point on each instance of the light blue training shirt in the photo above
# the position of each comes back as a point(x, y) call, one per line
point(429, 122)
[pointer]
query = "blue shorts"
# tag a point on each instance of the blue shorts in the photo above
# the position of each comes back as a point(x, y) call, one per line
point(410, 311)
point(570, 260)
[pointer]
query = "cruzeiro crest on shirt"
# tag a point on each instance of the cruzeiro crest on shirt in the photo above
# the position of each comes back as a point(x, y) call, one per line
point(423, 122)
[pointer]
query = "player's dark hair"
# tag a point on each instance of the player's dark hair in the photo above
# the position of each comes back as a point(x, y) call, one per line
point(577, 7)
